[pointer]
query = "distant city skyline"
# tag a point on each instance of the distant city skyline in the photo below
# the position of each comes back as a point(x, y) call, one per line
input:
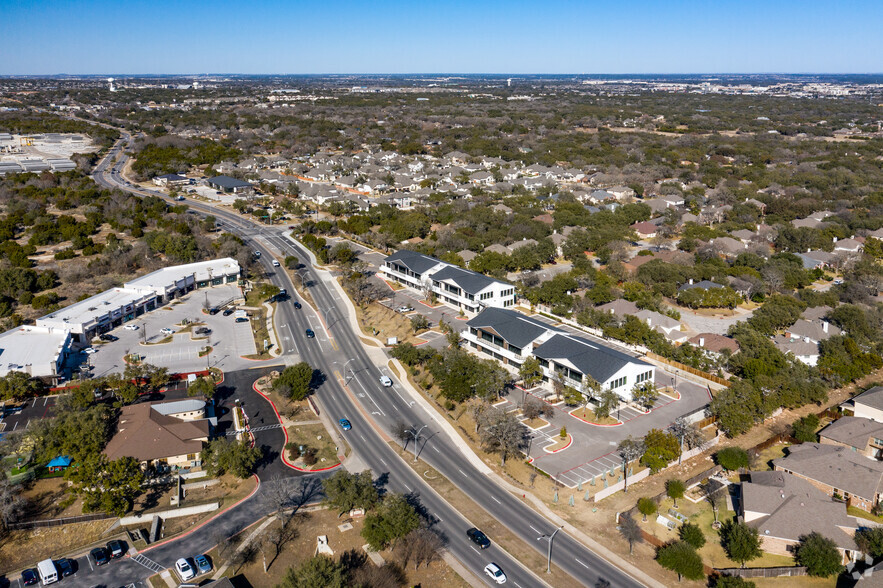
point(516, 37)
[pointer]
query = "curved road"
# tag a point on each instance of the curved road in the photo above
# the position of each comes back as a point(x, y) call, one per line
point(381, 408)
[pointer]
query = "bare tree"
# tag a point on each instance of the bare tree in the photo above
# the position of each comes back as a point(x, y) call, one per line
point(688, 435)
point(504, 434)
point(275, 539)
point(630, 531)
point(12, 504)
point(629, 450)
point(427, 545)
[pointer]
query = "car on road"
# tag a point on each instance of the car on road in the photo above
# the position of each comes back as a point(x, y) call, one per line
point(179, 198)
point(99, 556)
point(90, 350)
point(116, 549)
point(203, 564)
point(29, 577)
point(257, 254)
point(167, 331)
point(275, 263)
point(65, 567)
point(404, 309)
point(345, 424)
point(228, 312)
point(297, 305)
point(310, 333)
point(184, 569)
point(496, 574)
point(203, 331)
point(385, 381)
point(108, 337)
point(241, 319)
point(478, 538)
point(131, 327)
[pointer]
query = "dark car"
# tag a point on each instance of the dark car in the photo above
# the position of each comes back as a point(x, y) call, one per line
point(241, 319)
point(213, 311)
point(30, 577)
point(65, 567)
point(203, 331)
point(478, 538)
point(100, 556)
point(108, 337)
point(310, 334)
point(297, 305)
point(116, 549)
point(228, 312)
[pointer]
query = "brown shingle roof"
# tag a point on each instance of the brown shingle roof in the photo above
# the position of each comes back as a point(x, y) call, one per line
point(145, 434)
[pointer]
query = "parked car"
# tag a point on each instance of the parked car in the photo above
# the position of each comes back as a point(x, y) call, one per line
point(108, 337)
point(310, 334)
point(131, 327)
point(213, 311)
point(203, 331)
point(241, 319)
point(385, 381)
point(184, 569)
point(167, 331)
point(496, 574)
point(89, 350)
point(203, 564)
point(65, 567)
point(405, 309)
point(228, 312)
point(345, 424)
point(478, 538)
point(297, 305)
point(29, 577)
point(99, 556)
point(116, 549)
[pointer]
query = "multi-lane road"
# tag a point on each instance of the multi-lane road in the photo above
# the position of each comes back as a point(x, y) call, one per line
point(373, 410)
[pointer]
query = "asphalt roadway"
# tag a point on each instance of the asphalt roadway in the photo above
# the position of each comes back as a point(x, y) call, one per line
point(382, 408)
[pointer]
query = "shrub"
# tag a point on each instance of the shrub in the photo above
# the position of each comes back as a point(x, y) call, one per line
point(804, 429)
point(563, 433)
point(732, 458)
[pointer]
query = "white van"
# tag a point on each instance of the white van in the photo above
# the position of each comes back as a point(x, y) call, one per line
point(47, 571)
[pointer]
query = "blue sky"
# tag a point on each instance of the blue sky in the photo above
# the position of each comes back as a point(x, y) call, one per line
point(427, 36)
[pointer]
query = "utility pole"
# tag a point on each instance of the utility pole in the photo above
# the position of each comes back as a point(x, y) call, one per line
point(345, 380)
point(415, 432)
point(550, 538)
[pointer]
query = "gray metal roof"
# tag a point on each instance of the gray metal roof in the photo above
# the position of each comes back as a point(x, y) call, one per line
point(514, 327)
point(469, 282)
point(228, 182)
point(596, 360)
point(416, 262)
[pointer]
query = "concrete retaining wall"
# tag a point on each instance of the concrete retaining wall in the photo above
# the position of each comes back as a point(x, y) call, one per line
point(170, 514)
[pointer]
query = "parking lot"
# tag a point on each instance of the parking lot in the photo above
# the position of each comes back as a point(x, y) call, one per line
point(180, 351)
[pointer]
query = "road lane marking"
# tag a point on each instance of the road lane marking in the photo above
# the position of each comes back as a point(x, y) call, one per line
point(582, 564)
point(462, 472)
point(535, 529)
point(475, 550)
point(408, 487)
point(383, 462)
point(494, 498)
point(434, 448)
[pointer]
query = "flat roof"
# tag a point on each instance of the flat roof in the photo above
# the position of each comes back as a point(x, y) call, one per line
point(91, 308)
point(29, 345)
point(169, 275)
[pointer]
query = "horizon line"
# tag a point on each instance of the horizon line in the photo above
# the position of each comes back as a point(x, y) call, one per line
point(501, 74)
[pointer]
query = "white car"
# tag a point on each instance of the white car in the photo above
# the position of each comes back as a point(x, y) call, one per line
point(90, 350)
point(385, 381)
point(185, 570)
point(275, 263)
point(404, 309)
point(131, 327)
point(496, 574)
point(167, 331)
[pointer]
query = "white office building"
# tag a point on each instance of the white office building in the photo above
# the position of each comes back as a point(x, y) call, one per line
point(453, 285)
point(511, 337)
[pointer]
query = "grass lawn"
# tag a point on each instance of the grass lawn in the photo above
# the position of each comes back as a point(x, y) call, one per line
point(381, 322)
point(765, 458)
point(857, 512)
point(795, 582)
point(589, 415)
point(27, 547)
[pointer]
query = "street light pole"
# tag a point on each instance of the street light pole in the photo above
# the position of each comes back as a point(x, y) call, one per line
point(344, 370)
point(416, 434)
point(550, 538)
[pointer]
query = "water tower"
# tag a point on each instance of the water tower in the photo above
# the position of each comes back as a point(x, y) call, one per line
point(110, 81)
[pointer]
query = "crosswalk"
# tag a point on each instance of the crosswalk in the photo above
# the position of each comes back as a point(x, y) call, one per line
point(148, 563)
point(256, 429)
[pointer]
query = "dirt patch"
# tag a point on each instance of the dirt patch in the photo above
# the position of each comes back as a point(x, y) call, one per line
point(323, 522)
point(379, 321)
point(228, 492)
point(588, 414)
point(20, 549)
point(48, 499)
point(314, 439)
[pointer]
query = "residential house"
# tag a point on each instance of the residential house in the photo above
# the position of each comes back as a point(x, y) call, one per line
point(848, 246)
point(170, 180)
point(645, 230)
point(869, 404)
point(804, 351)
point(229, 185)
point(815, 259)
point(452, 285)
point(715, 344)
point(703, 285)
point(861, 435)
point(666, 325)
point(812, 331)
point(621, 308)
point(783, 508)
point(727, 246)
point(837, 471)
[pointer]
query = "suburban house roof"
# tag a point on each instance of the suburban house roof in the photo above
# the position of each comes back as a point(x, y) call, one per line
point(146, 434)
point(853, 431)
point(715, 342)
point(514, 327)
point(172, 178)
point(704, 284)
point(228, 182)
point(620, 307)
point(836, 466)
point(872, 398)
point(598, 361)
point(169, 407)
point(813, 330)
point(793, 507)
point(470, 282)
point(416, 262)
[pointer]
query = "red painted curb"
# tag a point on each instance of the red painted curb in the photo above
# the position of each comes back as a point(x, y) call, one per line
point(569, 443)
point(285, 432)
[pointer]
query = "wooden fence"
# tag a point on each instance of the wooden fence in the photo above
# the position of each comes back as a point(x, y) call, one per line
point(63, 521)
point(762, 572)
point(688, 369)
